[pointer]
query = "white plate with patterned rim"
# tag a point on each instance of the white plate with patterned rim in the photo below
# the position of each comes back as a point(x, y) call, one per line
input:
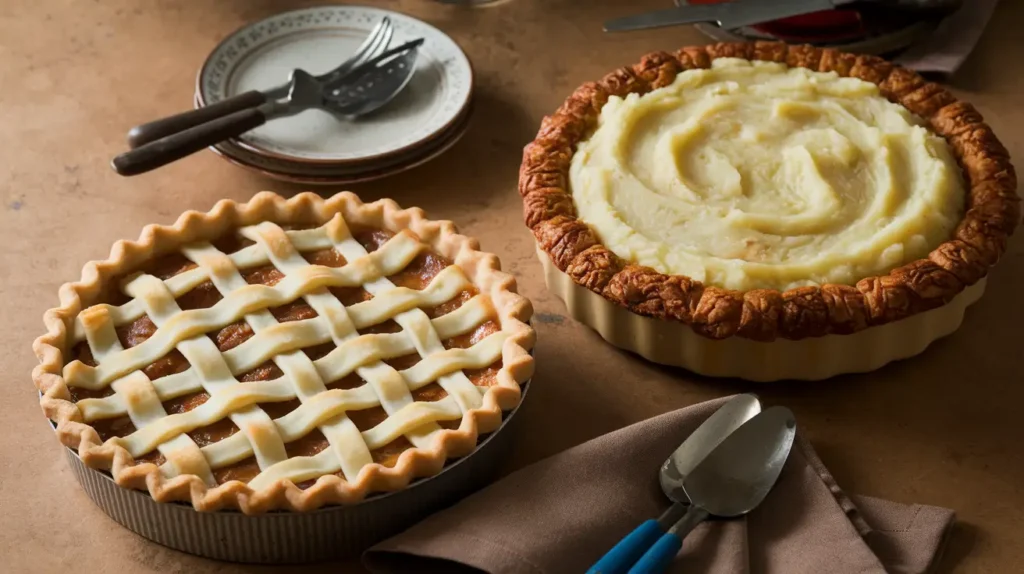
point(262, 55)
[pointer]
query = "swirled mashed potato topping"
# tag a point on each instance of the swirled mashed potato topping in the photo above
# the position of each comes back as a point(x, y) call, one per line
point(754, 175)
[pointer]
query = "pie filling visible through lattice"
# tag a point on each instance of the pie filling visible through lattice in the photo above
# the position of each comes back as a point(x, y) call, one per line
point(282, 352)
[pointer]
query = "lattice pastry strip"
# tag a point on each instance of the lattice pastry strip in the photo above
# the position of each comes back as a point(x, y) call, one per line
point(428, 342)
point(391, 389)
point(298, 369)
point(215, 371)
point(215, 376)
point(198, 384)
point(416, 323)
point(348, 450)
point(335, 366)
point(252, 298)
point(143, 406)
point(391, 258)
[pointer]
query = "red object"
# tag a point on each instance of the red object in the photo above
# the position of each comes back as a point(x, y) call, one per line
point(827, 25)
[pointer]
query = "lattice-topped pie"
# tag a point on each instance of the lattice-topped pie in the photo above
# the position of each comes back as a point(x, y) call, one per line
point(284, 354)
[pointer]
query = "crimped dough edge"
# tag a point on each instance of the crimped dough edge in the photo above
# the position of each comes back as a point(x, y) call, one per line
point(992, 210)
point(482, 269)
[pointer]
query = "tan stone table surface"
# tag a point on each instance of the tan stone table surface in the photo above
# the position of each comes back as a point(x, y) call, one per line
point(945, 428)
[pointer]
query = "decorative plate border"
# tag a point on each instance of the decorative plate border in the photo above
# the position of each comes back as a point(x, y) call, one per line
point(445, 56)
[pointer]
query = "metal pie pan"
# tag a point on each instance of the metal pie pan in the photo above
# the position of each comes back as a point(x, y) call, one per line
point(281, 537)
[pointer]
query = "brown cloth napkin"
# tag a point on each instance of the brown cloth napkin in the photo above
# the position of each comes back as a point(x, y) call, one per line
point(561, 514)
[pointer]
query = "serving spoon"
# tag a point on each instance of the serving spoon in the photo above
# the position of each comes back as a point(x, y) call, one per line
point(374, 45)
point(687, 456)
point(730, 482)
point(372, 85)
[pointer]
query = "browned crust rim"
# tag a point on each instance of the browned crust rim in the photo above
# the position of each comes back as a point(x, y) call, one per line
point(992, 214)
point(482, 269)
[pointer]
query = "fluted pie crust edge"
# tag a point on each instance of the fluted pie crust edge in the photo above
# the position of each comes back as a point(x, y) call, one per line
point(482, 269)
point(992, 210)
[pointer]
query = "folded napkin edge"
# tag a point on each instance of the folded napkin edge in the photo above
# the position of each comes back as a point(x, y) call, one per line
point(441, 549)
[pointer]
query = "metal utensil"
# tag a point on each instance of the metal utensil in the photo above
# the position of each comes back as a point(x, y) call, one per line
point(683, 460)
point(350, 99)
point(374, 44)
point(739, 13)
point(731, 481)
point(377, 81)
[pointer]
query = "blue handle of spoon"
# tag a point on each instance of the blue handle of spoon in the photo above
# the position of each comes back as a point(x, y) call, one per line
point(624, 554)
point(659, 557)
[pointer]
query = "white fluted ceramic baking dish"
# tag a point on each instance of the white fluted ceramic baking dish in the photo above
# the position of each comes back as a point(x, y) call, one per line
point(676, 344)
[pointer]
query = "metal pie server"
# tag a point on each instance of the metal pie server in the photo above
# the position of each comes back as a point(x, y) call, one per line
point(733, 480)
point(683, 460)
point(366, 89)
point(376, 43)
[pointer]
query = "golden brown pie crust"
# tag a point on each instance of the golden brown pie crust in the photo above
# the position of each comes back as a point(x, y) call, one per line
point(395, 464)
point(993, 209)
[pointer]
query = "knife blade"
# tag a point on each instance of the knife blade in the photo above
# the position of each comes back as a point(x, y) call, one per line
point(728, 15)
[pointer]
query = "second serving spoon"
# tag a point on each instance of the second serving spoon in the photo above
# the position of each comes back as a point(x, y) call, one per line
point(730, 482)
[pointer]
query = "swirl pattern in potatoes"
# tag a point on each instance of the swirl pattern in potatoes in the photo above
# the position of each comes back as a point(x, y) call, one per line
point(753, 175)
point(766, 211)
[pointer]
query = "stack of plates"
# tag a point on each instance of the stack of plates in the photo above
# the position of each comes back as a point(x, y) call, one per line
point(315, 147)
